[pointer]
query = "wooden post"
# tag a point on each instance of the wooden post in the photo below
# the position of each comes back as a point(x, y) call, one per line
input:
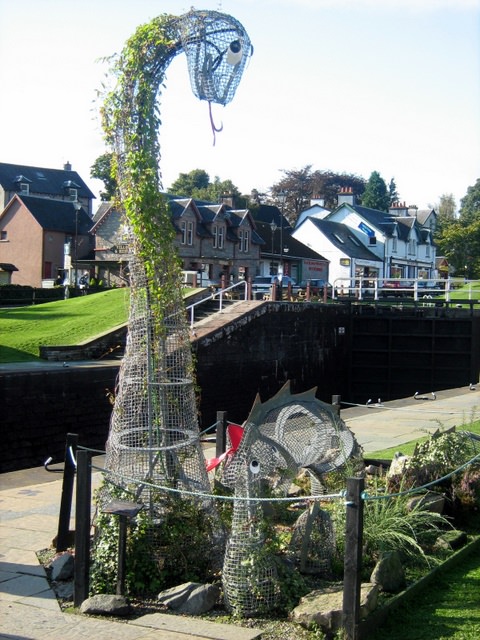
point(63, 541)
point(336, 404)
point(82, 527)
point(221, 435)
point(353, 557)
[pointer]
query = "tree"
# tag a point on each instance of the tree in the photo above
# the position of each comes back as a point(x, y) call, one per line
point(102, 169)
point(187, 183)
point(458, 239)
point(470, 204)
point(196, 184)
point(392, 192)
point(445, 209)
point(376, 195)
point(301, 185)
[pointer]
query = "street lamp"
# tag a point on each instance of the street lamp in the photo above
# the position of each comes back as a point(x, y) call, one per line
point(273, 227)
point(77, 207)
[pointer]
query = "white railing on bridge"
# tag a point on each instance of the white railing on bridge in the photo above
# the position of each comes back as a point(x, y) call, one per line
point(237, 291)
point(416, 288)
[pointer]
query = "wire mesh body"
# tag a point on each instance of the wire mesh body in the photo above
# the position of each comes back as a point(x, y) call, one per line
point(312, 546)
point(154, 434)
point(250, 581)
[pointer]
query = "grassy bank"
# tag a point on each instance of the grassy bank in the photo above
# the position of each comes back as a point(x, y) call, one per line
point(63, 322)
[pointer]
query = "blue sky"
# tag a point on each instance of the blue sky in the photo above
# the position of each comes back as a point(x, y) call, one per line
point(348, 85)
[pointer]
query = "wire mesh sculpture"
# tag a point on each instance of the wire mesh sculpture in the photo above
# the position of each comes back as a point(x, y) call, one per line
point(154, 435)
point(283, 435)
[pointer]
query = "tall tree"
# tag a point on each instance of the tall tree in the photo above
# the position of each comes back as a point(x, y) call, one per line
point(446, 211)
point(301, 185)
point(187, 183)
point(470, 204)
point(102, 169)
point(196, 184)
point(392, 192)
point(376, 195)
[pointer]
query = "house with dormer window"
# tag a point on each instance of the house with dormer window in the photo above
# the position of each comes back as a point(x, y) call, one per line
point(56, 184)
point(398, 238)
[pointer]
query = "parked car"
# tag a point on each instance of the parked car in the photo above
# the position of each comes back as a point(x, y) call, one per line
point(262, 285)
point(317, 287)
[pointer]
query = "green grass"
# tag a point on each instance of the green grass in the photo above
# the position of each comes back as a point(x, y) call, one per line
point(408, 447)
point(64, 322)
point(448, 609)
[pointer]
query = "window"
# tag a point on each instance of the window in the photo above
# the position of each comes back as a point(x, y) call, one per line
point(24, 188)
point(244, 237)
point(187, 232)
point(411, 246)
point(394, 244)
point(427, 250)
point(73, 194)
point(218, 237)
point(3, 235)
point(372, 240)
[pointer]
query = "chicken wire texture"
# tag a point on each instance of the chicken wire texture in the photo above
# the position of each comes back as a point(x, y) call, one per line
point(216, 46)
point(154, 435)
point(251, 585)
point(304, 431)
point(312, 546)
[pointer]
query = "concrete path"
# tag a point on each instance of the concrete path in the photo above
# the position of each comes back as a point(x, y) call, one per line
point(29, 507)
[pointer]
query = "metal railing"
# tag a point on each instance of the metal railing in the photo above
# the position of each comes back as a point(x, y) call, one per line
point(416, 289)
point(237, 291)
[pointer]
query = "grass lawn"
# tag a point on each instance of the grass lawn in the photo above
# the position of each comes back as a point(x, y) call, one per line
point(447, 610)
point(64, 322)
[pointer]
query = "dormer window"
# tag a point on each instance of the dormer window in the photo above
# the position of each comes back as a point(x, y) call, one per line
point(73, 194)
point(22, 184)
point(372, 240)
point(71, 189)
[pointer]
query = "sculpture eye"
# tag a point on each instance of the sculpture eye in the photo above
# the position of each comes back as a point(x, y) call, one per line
point(255, 466)
point(234, 52)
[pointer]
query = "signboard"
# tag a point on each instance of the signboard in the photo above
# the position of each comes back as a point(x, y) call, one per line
point(366, 229)
point(345, 262)
point(314, 270)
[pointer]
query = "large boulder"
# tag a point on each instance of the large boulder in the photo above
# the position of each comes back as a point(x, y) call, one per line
point(192, 598)
point(325, 607)
point(106, 605)
point(389, 574)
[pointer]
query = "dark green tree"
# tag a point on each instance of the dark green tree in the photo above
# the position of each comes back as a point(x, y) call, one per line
point(301, 185)
point(188, 183)
point(196, 184)
point(470, 204)
point(446, 212)
point(392, 192)
point(101, 169)
point(376, 194)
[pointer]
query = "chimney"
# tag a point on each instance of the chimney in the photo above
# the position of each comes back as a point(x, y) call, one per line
point(317, 200)
point(67, 166)
point(346, 196)
point(399, 209)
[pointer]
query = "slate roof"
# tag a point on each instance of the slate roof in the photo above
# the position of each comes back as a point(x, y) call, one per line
point(50, 182)
point(344, 239)
point(57, 215)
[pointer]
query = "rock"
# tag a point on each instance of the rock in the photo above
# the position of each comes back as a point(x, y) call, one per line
point(62, 567)
point(451, 540)
point(430, 501)
point(105, 605)
point(64, 590)
point(389, 574)
point(325, 607)
point(192, 598)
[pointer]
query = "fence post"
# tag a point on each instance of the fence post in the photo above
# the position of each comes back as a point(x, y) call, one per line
point(67, 493)
point(82, 527)
point(336, 404)
point(221, 435)
point(353, 557)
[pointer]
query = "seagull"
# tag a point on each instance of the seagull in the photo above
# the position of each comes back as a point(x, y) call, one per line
point(369, 401)
point(472, 387)
point(434, 395)
point(418, 397)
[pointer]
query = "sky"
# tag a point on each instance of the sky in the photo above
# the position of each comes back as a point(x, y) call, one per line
point(351, 86)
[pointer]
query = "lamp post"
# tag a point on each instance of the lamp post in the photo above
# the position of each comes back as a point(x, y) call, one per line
point(282, 197)
point(273, 227)
point(77, 207)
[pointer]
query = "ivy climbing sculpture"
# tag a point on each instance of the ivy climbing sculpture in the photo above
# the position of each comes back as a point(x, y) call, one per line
point(154, 434)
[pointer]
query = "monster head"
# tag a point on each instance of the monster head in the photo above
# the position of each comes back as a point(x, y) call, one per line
point(217, 49)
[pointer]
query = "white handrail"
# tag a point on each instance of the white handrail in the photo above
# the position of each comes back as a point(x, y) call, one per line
point(217, 294)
